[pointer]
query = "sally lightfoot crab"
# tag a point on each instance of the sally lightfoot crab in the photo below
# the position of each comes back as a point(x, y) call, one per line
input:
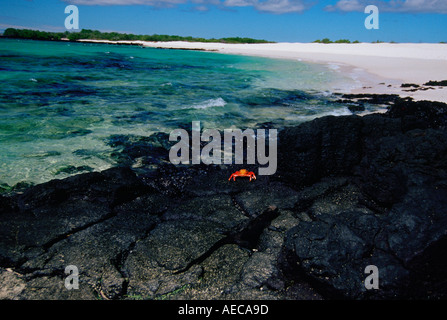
point(243, 173)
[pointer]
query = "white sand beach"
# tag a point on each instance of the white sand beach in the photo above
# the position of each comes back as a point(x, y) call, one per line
point(379, 67)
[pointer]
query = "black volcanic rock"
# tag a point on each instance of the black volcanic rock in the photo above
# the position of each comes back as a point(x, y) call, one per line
point(399, 174)
point(356, 108)
point(381, 99)
point(409, 85)
point(436, 83)
point(420, 114)
point(326, 146)
point(350, 192)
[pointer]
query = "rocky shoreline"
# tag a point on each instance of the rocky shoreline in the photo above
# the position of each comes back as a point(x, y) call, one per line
point(350, 191)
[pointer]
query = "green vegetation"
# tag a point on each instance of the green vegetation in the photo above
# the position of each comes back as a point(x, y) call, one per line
point(113, 36)
point(32, 34)
point(327, 40)
point(342, 41)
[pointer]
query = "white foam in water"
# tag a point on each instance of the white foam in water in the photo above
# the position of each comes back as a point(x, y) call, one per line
point(334, 112)
point(334, 66)
point(128, 102)
point(219, 102)
point(337, 112)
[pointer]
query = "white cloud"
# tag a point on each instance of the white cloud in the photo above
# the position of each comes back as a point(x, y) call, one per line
point(346, 5)
point(239, 3)
point(282, 6)
point(286, 6)
point(404, 6)
point(155, 3)
point(269, 6)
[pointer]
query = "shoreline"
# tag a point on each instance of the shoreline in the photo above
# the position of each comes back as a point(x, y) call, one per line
point(380, 68)
point(354, 191)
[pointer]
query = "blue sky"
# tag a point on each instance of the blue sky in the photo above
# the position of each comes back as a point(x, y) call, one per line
point(275, 20)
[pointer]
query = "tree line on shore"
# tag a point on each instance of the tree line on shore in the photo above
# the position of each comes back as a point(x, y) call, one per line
point(114, 36)
point(327, 40)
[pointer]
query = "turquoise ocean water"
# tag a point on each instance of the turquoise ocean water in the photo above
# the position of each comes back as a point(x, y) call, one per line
point(62, 103)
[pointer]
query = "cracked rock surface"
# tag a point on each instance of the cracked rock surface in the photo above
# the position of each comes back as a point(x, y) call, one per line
point(349, 192)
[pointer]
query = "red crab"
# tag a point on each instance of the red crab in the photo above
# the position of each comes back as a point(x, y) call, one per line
point(243, 173)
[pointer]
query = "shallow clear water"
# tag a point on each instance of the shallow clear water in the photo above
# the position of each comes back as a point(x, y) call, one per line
point(60, 103)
